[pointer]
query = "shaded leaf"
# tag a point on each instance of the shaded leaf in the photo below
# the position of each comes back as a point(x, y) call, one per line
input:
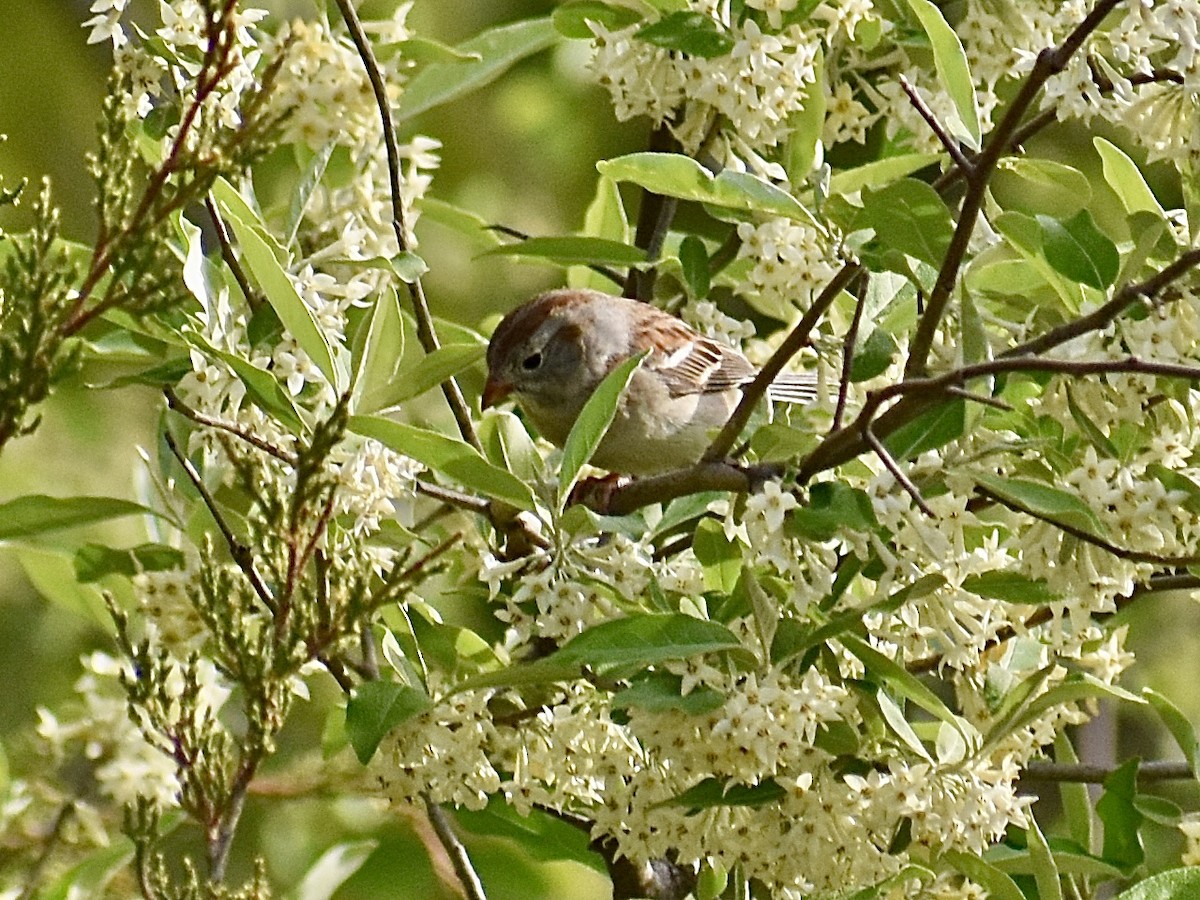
point(431, 370)
point(375, 708)
point(35, 514)
point(592, 424)
point(571, 18)
point(569, 250)
point(1078, 249)
point(490, 54)
point(690, 33)
point(95, 561)
point(1043, 501)
point(452, 457)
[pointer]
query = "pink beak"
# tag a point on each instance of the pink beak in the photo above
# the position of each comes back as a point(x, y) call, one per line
point(495, 391)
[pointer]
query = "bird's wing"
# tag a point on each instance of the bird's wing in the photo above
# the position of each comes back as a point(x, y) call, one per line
point(690, 363)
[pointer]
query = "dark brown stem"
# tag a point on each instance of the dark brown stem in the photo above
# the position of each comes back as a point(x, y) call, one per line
point(253, 300)
point(241, 553)
point(892, 466)
point(284, 456)
point(654, 220)
point(426, 333)
point(712, 476)
point(848, 352)
point(792, 344)
point(1050, 62)
point(952, 146)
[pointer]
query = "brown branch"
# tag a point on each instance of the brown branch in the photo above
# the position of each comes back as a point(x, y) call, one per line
point(965, 166)
point(1103, 315)
point(654, 219)
point(1150, 770)
point(253, 300)
point(459, 857)
point(892, 466)
point(704, 476)
point(240, 552)
point(1157, 584)
point(1049, 62)
point(213, 68)
point(426, 333)
point(1089, 538)
point(174, 402)
point(792, 344)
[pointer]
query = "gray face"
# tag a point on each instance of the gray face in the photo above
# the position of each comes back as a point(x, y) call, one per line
point(543, 367)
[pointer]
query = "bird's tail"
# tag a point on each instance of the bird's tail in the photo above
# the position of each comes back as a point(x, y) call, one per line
point(794, 387)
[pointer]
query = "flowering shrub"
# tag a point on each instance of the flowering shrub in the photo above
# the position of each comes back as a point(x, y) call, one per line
point(818, 664)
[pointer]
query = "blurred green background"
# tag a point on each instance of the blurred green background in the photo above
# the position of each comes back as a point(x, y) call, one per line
point(520, 153)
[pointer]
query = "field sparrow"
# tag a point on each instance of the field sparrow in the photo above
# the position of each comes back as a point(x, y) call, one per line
point(552, 352)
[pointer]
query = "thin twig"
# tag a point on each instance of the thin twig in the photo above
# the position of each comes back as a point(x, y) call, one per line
point(1103, 315)
point(952, 146)
point(240, 552)
point(452, 497)
point(704, 476)
point(253, 300)
point(994, 402)
point(426, 333)
point(892, 466)
point(174, 402)
point(848, 352)
point(604, 271)
point(1150, 770)
point(1089, 538)
point(792, 344)
point(454, 847)
point(221, 841)
point(1049, 62)
point(1157, 584)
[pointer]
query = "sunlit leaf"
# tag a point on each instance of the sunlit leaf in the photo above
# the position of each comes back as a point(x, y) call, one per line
point(592, 424)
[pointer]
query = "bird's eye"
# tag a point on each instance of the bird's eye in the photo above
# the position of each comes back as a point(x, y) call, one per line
point(531, 362)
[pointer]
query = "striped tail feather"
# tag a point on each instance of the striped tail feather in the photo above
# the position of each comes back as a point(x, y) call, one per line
point(794, 387)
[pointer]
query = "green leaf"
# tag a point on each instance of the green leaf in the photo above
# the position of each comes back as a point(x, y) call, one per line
point(262, 386)
point(894, 716)
point(720, 558)
point(379, 356)
point(450, 456)
point(592, 424)
point(663, 692)
point(998, 885)
point(1046, 186)
point(1176, 884)
point(930, 430)
point(425, 51)
point(333, 868)
point(605, 218)
point(313, 172)
point(1078, 688)
point(95, 561)
point(52, 575)
point(1043, 502)
point(907, 685)
point(909, 216)
point(693, 260)
point(36, 514)
point(900, 881)
point(804, 127)
point(538, 834)
point(375, 708)
point(776, 442)
point(1024, 235)
point(1125, 178)
point(1179, 725)
point(1045, 870)
point(1122, 821)
point(673, 175)
point(1091, 430)
point(490, 54)
point(1076, 801)
point(277, 287)
point(880, 172)
point(645, 640)
point(1010, 587)
point(831, 507)
point(571, 18)
point(467, 223)
point(431, 370)
point(690, 33)
point(1078, 249)
point(88, 877)
point(950, 60)
point(568, 251)
point(874, 356)
point(713, 792)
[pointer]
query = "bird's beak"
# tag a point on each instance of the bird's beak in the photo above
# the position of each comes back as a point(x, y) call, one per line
point(495, 391)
